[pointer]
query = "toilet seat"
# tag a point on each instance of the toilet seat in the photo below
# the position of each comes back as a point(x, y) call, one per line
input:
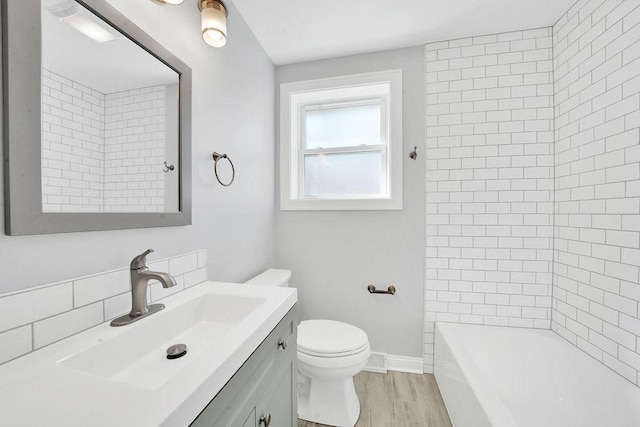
point(329, 339)
point(330, 355)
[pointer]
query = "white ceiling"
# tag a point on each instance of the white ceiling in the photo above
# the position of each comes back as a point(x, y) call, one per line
point(110, 67)
point(301, 30)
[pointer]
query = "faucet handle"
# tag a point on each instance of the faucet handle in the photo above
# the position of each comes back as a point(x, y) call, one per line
point(140, 261)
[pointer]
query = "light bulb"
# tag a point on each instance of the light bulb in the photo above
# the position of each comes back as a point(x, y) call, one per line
point(214, 23)
point(214, 38)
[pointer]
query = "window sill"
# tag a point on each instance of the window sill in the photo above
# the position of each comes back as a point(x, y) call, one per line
point(340, 205)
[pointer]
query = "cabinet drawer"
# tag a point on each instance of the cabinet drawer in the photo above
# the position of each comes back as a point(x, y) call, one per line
point(233, 405)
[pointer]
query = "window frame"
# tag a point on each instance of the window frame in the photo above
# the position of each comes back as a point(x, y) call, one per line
point(383, 147)
point(296, 98)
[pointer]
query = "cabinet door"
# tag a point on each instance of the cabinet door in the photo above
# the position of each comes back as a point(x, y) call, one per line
point(265, 380)
point(278, 401)
point(251, 419)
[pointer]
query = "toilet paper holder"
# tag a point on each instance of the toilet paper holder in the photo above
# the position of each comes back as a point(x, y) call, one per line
point(391, 290)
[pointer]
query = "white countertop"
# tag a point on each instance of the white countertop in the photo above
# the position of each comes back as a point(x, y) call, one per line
point(37, 391)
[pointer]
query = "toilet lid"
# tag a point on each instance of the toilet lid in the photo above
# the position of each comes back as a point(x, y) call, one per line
point(330, 338)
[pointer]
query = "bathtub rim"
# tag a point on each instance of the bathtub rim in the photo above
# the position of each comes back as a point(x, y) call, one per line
point(614, 397)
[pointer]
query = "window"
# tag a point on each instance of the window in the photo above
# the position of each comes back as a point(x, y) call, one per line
point(341, 143)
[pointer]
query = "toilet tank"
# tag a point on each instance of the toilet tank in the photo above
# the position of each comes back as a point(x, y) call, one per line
point(271, 277)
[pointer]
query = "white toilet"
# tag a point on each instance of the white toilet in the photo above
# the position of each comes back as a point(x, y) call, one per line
point(330, 353)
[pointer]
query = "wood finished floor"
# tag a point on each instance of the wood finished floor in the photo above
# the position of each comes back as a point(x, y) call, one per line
point(397, 399)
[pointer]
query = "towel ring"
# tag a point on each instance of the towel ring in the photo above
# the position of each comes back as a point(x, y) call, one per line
point(218, 156)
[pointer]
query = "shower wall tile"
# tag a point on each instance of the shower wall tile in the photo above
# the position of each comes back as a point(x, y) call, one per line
point(72, 145)
point(135, 150)
point(489, 172)
point(40, 316)
point(597, 159)
point(102, 152)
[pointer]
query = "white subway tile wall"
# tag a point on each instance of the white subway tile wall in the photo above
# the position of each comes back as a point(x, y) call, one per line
point(101, 152)
point(58, 327)
point(135, 150)
point(597, 182)
point(489, 172)
point(40, 316)
point(72, 145)
point(15, 343)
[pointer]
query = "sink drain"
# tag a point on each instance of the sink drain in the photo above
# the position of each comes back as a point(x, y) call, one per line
point(176, 351)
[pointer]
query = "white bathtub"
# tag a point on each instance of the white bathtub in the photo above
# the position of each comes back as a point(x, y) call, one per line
point(508, 377)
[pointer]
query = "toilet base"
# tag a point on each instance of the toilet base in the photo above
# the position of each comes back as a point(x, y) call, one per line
point(332, 403)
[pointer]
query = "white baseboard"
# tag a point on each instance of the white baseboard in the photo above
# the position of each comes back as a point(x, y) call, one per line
point(412, 365)
point(381, 362)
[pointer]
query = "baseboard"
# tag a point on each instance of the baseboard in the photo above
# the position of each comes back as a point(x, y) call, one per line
point(381, 362)
point(412, 365)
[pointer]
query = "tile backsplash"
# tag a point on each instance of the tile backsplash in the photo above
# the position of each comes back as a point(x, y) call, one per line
point(37, 317)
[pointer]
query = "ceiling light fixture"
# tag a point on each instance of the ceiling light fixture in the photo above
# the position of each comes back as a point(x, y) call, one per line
point(214, 22)
point(69, 13)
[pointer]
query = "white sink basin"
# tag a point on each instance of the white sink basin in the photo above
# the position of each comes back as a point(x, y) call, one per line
point(108, 376)
point(137, 356)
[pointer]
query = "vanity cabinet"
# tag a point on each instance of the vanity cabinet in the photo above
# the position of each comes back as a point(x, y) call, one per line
point(262, 393)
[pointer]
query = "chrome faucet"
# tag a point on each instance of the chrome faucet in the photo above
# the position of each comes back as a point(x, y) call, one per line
point(140, 277)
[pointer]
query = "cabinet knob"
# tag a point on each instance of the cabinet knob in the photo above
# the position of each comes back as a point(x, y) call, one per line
point(265, 420)
point(282, 344)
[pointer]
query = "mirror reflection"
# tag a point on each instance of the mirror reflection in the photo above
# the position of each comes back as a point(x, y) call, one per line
point(110, 118)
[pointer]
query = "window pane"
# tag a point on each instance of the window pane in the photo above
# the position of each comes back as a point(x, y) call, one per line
point(346, 126)
point(344, 174)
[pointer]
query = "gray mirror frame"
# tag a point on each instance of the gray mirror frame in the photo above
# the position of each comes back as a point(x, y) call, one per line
point(21, 90)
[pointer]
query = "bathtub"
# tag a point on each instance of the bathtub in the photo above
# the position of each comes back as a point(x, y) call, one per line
point(508, 377)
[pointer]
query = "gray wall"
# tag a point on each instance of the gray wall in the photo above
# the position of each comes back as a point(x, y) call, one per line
point(233, 98)
point(334, 255)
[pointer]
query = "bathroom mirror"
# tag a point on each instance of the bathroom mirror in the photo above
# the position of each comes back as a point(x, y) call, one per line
point(96, 121)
